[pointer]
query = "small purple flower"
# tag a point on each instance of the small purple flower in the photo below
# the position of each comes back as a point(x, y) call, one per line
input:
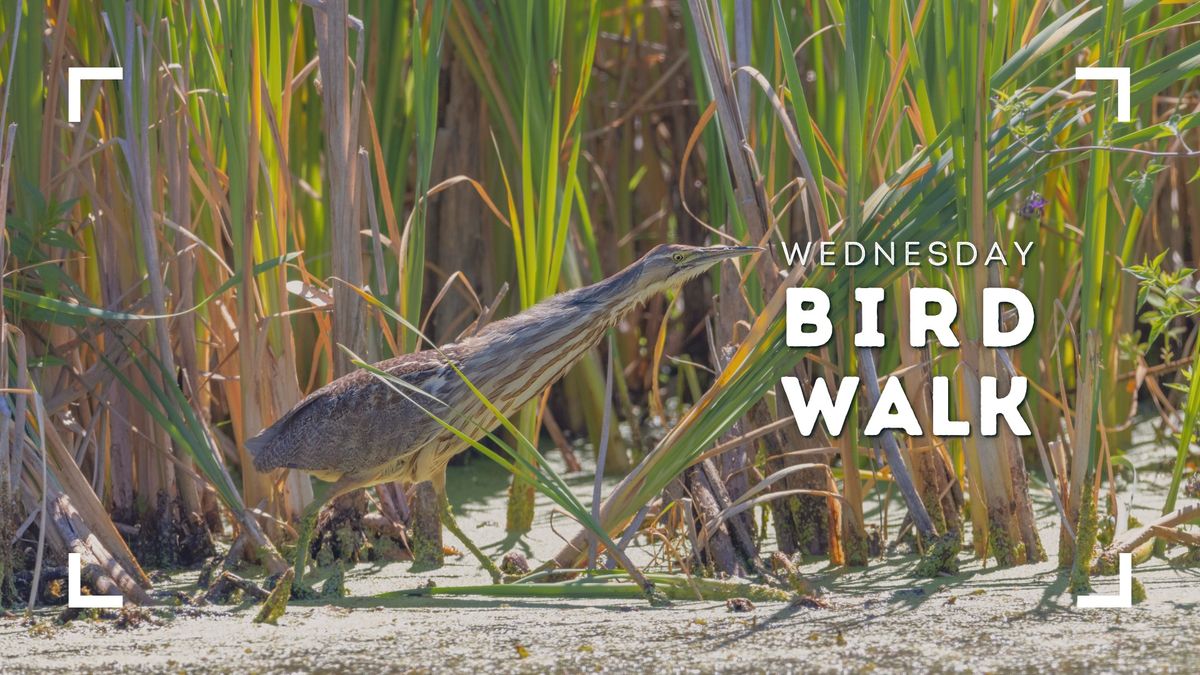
point(1034, 206)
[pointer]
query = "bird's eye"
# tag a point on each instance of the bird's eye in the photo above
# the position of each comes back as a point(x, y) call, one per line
point(678, 257)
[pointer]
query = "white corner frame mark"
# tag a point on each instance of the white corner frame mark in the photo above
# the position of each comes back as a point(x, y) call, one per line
point(1118, 75)
point(76, 599)
point(1124, 597)
point(76, 77)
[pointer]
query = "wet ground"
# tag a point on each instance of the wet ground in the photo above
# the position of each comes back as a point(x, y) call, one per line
point(880, 619)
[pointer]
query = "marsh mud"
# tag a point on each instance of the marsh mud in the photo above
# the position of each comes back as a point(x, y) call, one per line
point(880, 619)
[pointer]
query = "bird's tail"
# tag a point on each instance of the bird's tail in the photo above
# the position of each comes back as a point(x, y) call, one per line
point(267, 447)
point(259, 448)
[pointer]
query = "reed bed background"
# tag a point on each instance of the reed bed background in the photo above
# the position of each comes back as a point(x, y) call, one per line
point(182, 266)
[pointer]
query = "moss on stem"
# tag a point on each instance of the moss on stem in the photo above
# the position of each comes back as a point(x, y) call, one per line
point(1085, 542)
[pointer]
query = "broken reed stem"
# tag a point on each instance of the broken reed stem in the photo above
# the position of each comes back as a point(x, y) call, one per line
point(1127, 542)
point(916, 508)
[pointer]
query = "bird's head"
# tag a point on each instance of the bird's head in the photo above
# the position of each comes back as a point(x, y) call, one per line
point(671, 265)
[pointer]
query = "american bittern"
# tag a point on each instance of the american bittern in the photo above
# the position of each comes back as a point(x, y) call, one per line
point(359, 431)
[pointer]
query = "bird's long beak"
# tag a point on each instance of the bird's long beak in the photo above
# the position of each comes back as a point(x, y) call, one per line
point(714, 254)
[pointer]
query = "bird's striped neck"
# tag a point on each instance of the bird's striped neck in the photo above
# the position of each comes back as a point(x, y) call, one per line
point(530, 351)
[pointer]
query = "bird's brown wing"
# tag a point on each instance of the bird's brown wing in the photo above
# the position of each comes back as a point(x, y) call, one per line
point(355, 423)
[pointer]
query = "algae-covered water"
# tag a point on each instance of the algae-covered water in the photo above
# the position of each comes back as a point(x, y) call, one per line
point(879, 619)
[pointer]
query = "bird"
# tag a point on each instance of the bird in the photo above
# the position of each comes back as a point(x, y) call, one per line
point(361, 430)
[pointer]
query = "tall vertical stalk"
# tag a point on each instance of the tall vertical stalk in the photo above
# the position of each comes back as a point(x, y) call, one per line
point(1093, 336)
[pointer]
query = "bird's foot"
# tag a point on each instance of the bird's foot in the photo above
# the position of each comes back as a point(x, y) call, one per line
point(276, 603)
point(335, 584)
point(304, 592)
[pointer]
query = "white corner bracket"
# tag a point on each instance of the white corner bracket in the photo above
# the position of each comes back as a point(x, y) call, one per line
point(1120, 76)
point(1124, 597)
point(76, 600)
point(77, 76)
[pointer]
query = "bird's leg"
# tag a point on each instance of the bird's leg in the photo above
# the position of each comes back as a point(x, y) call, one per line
point(322, 493)
point(451, 523)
